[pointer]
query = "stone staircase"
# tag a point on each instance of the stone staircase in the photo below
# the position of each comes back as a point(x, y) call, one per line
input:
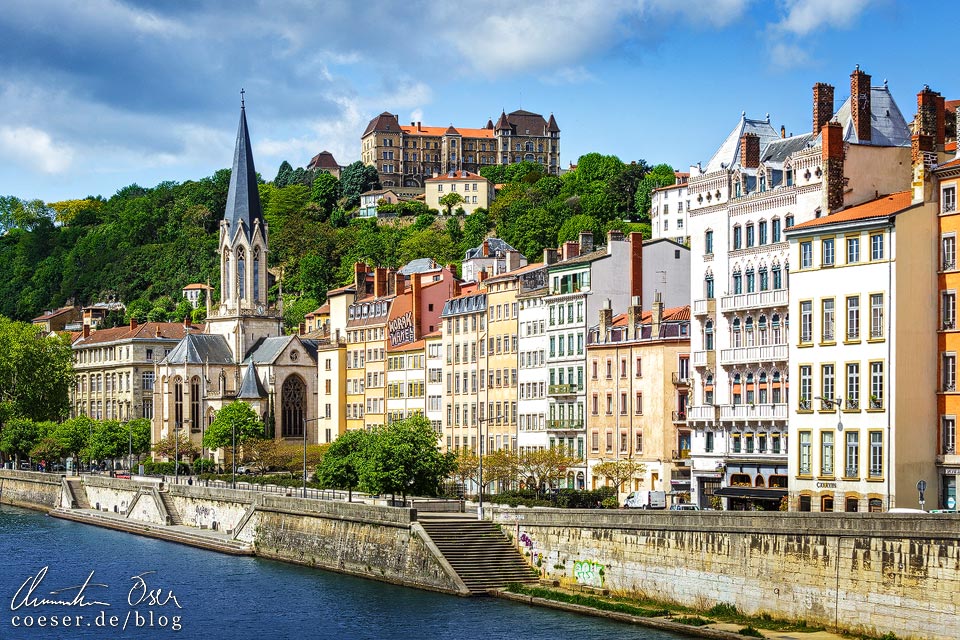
point(478, 551)
point(77, 493)
point(173, 516)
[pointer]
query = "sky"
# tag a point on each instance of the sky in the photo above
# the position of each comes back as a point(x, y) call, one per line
point(98, 94)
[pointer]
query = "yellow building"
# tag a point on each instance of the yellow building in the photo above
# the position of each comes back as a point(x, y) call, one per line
point(501, 393)
point(475, 190)
point(367, 354)
point(637, 390)
point(464, 321)
point(405, 156)
point(331, 385)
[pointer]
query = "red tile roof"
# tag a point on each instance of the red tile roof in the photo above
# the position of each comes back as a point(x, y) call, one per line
point(146, 331)
point(53, 314)
point(950, 165)
point(196, 285)
point(457, 175)
point(673, 314)
point(879, 208)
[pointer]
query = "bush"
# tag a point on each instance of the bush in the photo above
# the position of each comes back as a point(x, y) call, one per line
point(562, 498)
point(610, 502)
point(693, 621)
point(750, 631)
point(204, 465)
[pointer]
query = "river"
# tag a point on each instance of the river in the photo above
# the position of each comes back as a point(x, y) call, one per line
point(192, 593)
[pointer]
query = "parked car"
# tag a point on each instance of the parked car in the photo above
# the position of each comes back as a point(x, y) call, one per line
point(685, 507)
point(645, 499)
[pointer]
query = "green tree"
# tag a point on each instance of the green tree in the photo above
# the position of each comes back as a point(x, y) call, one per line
point(326, 192)
point(74, 436)
point(619, 471)
point(48, 450)
point(451, 200)
point(175, 445)
point(466, 468)
point(109, 439)
point(19, 436)
point(403, 458)
point(283, 174)
point(36, 372)
point(500, 468)
point(546, 466)
point(571, 228)
point(340, 466)
point(237, 417)
point(661, 175)
point(475, 229)
point(355, 179)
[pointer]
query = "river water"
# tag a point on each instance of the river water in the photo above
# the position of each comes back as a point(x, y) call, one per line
point(235, 598)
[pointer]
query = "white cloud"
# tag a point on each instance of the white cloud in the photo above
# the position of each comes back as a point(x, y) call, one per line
point(805, 16)
point(713, 13)
point(569, 75)
point(785, 55)
point(36, 148)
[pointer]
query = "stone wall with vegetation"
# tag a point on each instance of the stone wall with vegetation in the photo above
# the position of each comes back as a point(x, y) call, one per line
point(864, 573)
point(29, 489)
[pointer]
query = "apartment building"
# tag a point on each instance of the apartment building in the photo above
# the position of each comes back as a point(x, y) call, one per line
point(494, 256)
point(406, 156)
point(332, 387)
point(433, 345)
point(864, 418)
point(532, 373)
point(115, 368)
point(465, 372)
point(406, 381)
point(475, 191)
point(637, 388)
point(668, 210)
point(757, 184)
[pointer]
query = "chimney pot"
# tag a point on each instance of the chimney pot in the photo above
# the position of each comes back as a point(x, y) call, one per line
point(636, 264)
point(86, 330)
point(860, 104)
point(822, 105)
point(750, 150)
point(586, 242)
point(133, 324)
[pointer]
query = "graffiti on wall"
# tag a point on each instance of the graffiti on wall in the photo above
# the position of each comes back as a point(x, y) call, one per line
point(589, 573)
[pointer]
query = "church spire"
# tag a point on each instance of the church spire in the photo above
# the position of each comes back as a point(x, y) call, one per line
point(243, 198)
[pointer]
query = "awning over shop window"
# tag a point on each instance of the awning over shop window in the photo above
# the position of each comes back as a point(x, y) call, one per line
point(750, 492)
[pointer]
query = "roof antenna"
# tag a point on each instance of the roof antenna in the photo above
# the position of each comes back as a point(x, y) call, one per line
point(241, 97)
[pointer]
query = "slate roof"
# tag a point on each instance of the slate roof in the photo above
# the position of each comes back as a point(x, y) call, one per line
point(470, 303)
point(420, 265)
point(521, 121)
point(251, 388)
point(780, 149)
point(243, 196)
point(200, 348)
point(728, 154)
point(386, 121)
point(266, 350)
point(495, 246)
point(887, 125)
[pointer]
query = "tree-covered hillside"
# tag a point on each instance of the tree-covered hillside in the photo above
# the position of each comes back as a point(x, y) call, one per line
point(142, 245)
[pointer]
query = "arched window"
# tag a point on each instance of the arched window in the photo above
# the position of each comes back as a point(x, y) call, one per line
point(293, 406)
point(751, 280)
point(748, 328)
point(759, 482)
point(764, 279)
point(178, 402)
point(226, 276)
point(762, 329)
point(708, 285)
point(529, 146)
point(708, 335)
point(241, 274)
point(256, 274)
point(737, 237)
point(737, 281)
point(195, 404)
point(737, 338)
point(751, 388)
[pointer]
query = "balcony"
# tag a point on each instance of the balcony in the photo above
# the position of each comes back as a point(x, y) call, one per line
point(681, 380)
point(564, 425)
point(703, 358)
point(743, 412)
point(562, 389)
point(702, 413)
point(681, 454)
point(749, 355)
point(948, 455)
point(704, 307)
point(679, 417)
point(756, 300)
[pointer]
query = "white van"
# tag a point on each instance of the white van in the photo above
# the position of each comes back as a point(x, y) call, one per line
point(646, 500)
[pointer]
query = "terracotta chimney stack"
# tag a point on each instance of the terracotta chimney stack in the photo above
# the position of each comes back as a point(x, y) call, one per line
point(932, 116)
point(570, 249)
point(636, 265)
point(187, 321)
point(360, 278)
point(485, 249)
point(416, 295)
point(133, 324)
point(86, 330)
point(860, 104)
point(606, 320)
point(832, 157)
point(481, 275)
point(379, 282)
point(634, 315)
point(750, 150)
point(399, 283)
point(301, 328)
point(822, 105)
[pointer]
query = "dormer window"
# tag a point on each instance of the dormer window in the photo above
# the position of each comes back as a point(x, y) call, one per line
point(763, 182)
point(737, 189)
point(788, 177)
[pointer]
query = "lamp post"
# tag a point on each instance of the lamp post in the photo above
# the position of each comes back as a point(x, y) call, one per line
point(233, 456)
point(833, 403)
point(480, 422)
point(305, 422)
point(176, 455)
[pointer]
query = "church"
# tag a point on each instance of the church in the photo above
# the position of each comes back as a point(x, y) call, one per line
point(242, 353)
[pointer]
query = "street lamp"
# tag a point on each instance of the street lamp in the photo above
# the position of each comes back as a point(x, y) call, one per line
point(305, 453)
point(480, 422)
point(833, 403)
point(233, 456)
point(176, 455)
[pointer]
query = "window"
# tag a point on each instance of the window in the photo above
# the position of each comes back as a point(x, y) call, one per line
point(876, 385)
point(853, 317)
point(751, 280)
point(805, 454)
point(777, 278)
point(806, 321)
point(853, 386)
point(949, 200)
point(948, 371)
point(708, 286)
point(827, 250)
point(751, 237)
point(828, 316)
point(806, 386)
point(949, 435)
point(708, 447)
point(876, 315)
point(148, 380)
point(853, 250)
point(826, 453)
point(876, 454)
point(638, 404)
point(948, 310)
point(737, 283)
point(876, 246)
point(764, 279)
point(827, 386)
point(949, 244)
point(737, 237)
point(762, 232)
point(708, 242)
point(775, 228)
point(708, 335)
point(852, 455)
point(806, 255)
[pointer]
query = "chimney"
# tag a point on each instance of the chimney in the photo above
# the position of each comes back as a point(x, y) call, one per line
point(456, 288)
point(379, 282)
point(931, 116)
point(657, 315)
point(86, 330)
point(513, 260)
point(133, 324)
point(822, 105)
point(606, 319)
point(301, 328)
point(614, 235)
point(158, 330)
point(187, 321)
point(481, 275)
point(399, 283)
point(860, 103)
point(636, 264)
point(750, 151)
point(416, 293)
point(570, 249)
point(549, 256)
point(586, 242)
point(923, 156)
point(832, 158)
point(359, 278)
point(783, 132)
point(634, 315)
point(485, 249)
point(419, 128)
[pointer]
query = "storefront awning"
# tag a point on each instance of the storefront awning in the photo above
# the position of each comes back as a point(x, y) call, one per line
point(750, 492)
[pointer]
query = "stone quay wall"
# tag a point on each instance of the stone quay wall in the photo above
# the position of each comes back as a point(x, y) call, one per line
point(30, 489)
point(867, 573)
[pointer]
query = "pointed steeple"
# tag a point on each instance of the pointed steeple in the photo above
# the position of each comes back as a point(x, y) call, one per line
point(243, 198)
point(503, 123)
point(552, 125)
point(251, 388)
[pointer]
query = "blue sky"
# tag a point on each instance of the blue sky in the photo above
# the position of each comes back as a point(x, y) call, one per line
point(99, 94)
